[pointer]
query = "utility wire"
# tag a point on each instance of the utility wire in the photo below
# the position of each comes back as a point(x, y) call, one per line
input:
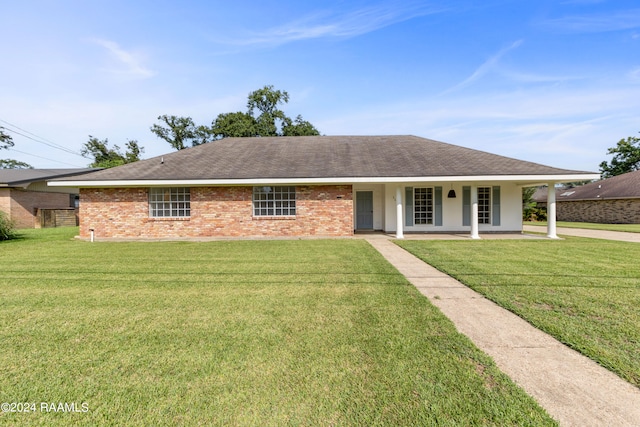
point(40, 157)
point(40, 139)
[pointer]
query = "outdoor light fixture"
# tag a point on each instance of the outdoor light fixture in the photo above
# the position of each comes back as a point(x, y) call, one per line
point(452, 193)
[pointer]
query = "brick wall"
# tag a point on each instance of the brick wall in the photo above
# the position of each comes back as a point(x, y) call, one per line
point(23, 205)
point(621, 211)
point(215, 212)
point(5, 200)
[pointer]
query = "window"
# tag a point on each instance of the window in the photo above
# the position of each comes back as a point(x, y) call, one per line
point(174, 202)
point(274, 201)
point(484, 205)
point(423, 206)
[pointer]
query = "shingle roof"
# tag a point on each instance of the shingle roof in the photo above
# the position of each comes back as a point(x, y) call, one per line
point(626, 186)
point(20, 177)
point(322, 157)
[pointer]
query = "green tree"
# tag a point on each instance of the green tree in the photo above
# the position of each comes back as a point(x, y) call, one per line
point(5, 139)
point(14, 164)
point(626, 158)
point(263, 118)
point(105, 157)
point(236, 124)
point(180, 131)
point(6, 142)
point(298, 127)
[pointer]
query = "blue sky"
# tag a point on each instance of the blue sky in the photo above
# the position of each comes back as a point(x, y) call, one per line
point(555, 82)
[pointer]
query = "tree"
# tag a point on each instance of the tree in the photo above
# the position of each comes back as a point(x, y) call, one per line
point(181, 130)
point(626, 158)
point(298, 127)
point(105, 157)
point(237, 124)
point(263, 118)
point(6, 142)
point(14, 164)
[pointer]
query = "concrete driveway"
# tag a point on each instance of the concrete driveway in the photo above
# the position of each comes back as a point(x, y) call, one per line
point(583, 232)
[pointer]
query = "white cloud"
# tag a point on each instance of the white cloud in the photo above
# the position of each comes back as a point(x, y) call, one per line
point(596, 23)
point(128, 62)
point(350, 24)
point(485, 68)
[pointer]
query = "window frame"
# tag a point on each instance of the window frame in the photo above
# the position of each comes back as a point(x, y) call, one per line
point(169, 202)
point(423, 208)
point(274, 201)
point(484, 205)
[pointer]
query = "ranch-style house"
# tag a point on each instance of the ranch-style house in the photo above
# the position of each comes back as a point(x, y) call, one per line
point(308, 186)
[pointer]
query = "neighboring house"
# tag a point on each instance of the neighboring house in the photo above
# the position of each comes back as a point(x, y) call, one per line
point(311, 186)
point(30, 203)
point(613, 200)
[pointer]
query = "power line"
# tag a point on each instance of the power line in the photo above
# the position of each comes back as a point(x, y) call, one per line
point(40, 157)
point(40, 139)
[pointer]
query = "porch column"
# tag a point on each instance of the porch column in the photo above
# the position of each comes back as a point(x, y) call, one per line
point(474, 212)
point(551, 211)
point(399, 231)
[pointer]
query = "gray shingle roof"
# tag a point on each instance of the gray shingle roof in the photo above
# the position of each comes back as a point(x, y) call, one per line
point(626, 186)
point(20, 177)
point(322, 157)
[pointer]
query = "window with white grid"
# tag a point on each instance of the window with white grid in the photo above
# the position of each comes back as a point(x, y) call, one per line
point(484, 205)
point(174, 202)
point(274, 201)
point(423, 206)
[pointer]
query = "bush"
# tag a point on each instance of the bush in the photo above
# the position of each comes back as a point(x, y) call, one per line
point(7, 228)
point(534, 214)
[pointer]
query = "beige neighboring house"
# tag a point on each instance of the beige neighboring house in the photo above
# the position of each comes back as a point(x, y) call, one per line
point(613, 200)
point(30, 203)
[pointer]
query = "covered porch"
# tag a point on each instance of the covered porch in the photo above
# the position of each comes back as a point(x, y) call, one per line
point(454, 208)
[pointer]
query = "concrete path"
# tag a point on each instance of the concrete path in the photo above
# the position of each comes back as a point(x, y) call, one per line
point(583, 232)
point(573, 389)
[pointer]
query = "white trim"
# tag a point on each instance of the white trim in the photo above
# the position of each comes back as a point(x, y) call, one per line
point(329, 180)
point(399, 216)
point(551, 211)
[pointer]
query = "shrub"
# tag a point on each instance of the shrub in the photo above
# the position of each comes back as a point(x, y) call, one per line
point(534, 214)
point(7, 228)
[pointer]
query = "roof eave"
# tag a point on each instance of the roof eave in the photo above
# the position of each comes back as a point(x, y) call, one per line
point(524, 180)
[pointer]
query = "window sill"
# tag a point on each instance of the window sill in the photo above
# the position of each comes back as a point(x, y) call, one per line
point(274, 218)
point(169, 218)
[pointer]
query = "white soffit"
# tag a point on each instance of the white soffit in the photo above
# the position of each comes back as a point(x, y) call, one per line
point(518, 179)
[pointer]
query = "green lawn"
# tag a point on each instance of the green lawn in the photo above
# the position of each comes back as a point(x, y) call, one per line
point(630, 228)
point(313, 332)
point(585, 292)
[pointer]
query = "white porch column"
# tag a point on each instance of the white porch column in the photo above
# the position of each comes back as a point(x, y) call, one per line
point(474, 212)
point(551, 211)
point(399, 230)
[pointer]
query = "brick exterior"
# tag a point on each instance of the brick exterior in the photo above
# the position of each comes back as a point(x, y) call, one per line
point(215, 212)
point(22, 205)
point(616, 211)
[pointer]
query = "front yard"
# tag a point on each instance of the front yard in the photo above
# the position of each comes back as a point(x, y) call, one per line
point(585, 292)
point(315, 332)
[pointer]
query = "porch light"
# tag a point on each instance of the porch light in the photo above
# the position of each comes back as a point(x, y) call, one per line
point(451, 194)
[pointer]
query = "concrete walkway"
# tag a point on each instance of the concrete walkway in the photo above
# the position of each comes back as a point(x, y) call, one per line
point(573, 389)
point(583, 232)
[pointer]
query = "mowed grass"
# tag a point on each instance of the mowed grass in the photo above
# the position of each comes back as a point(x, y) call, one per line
point(315, 332)
point(629, 228)
point(584, 292)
